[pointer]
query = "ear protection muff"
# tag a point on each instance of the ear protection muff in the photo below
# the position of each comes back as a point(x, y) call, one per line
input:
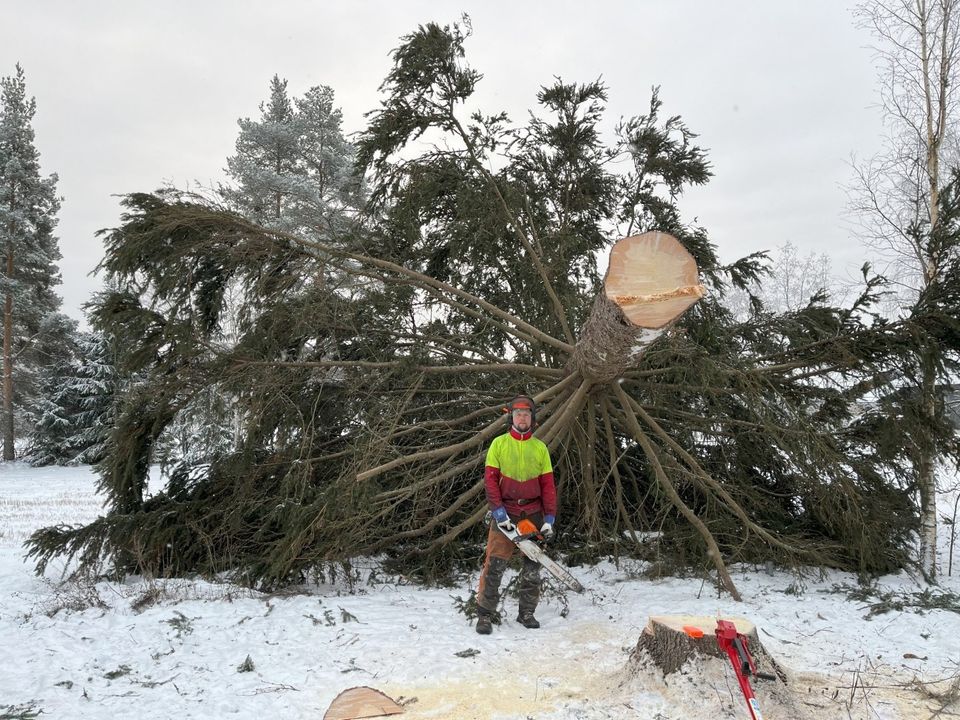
point(521, 401)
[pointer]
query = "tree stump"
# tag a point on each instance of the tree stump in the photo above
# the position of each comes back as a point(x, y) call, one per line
point(670, 641)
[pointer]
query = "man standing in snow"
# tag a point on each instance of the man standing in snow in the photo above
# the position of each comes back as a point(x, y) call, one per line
point(519, 484)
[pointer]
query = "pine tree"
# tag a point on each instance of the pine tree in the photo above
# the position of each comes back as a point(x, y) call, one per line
point(293, 168)
point(77, 405)
point(332, 190)
point(266, 157)
point(28, 208)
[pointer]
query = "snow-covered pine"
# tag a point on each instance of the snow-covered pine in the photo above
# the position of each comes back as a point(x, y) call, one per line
point(28, 271)
point(75, 410)
point(293, 169)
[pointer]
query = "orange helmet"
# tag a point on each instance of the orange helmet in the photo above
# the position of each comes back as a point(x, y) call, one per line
point(522, 402)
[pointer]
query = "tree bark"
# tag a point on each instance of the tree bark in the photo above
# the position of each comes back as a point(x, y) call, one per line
point(8, 438)
point(650, 282)
point(670, 641)
point(927, 471)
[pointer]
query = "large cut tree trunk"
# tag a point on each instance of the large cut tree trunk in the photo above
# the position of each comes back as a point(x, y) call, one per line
point(651, 281)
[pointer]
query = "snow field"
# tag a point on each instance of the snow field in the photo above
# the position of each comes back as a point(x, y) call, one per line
point(176, 648)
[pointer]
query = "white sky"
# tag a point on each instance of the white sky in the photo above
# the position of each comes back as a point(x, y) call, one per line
point(132, 94)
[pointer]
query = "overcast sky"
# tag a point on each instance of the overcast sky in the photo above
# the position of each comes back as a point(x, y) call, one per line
point(132, 94)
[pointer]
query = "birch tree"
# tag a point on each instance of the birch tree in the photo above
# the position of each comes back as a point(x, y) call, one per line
point(897, 195)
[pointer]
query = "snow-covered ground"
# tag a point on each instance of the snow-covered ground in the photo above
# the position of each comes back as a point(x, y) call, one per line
point(174, 649)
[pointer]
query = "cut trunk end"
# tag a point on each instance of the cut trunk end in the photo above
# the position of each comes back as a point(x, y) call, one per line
point(651, 281)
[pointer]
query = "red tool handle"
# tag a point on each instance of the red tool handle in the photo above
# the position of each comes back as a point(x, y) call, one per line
point(735, 645)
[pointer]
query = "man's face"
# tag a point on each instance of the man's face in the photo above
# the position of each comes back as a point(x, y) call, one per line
point(522, 419)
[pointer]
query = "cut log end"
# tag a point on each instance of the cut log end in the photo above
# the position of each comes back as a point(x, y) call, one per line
point(361, 702)
point(651, 281)
point(652, 278)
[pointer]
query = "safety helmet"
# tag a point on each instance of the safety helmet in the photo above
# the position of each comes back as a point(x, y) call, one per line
point(522, 402)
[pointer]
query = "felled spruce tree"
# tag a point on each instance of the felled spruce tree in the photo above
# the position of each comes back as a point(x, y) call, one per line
point(367, 402)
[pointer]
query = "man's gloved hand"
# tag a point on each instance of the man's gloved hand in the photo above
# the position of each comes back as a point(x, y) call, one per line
point(546, 530)
point(503, 520)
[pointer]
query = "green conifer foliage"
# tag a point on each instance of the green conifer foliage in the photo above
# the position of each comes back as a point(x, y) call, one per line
point(76, 406)
point(28, 208)
point(368, 401)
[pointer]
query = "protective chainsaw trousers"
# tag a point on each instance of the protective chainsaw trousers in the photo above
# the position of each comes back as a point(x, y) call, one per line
point(499, 551)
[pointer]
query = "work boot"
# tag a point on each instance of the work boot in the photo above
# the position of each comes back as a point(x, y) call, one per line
point(527, 620)
point(484, 626)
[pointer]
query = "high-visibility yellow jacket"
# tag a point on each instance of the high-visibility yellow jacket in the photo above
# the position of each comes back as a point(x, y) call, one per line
point(519, 475)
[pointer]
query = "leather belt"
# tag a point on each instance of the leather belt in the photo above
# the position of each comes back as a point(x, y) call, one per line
point(526, 501)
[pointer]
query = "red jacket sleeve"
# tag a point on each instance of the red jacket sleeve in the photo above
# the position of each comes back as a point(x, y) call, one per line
point(548, 494)
point(491, 481)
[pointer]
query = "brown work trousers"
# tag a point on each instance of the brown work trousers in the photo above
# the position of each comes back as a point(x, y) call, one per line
point(500, 549)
